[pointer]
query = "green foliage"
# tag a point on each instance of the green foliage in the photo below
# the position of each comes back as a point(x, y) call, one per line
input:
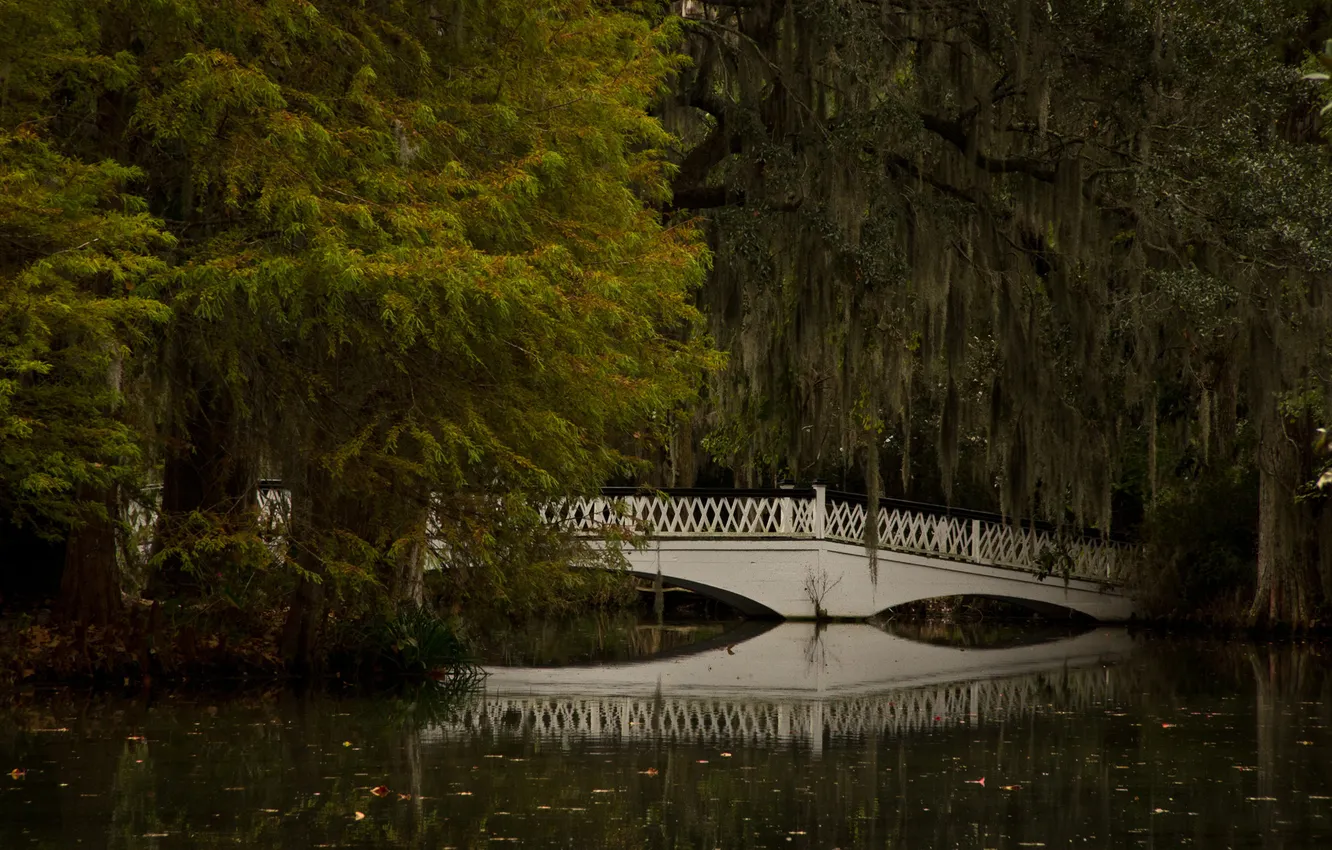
point(411, 644)
point(1201, 538)
point(75, 249)
point(402, 256)
point(1060, 231)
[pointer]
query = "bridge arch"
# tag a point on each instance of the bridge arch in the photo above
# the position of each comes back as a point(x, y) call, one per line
point(800, 579)
point(1046, 609)
point(801, 553)
point(745, 605)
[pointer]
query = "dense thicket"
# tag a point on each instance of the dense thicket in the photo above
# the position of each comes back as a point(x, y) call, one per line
point(398, 255)
point(1074, 240)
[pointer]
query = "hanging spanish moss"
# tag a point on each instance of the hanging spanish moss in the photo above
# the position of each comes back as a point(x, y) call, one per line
point(1026, 224)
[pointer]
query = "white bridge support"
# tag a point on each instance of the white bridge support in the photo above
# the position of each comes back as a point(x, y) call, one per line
point(803, 555)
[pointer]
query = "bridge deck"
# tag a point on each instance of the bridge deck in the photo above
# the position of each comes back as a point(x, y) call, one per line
point(803, 554)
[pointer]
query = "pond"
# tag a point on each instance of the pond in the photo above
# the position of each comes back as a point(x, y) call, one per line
point(716, 736)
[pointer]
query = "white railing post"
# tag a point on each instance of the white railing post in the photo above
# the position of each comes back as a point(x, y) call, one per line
point(820, 509)
point(787, 522)
point(975, 540)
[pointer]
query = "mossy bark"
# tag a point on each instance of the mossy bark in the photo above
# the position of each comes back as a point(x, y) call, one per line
point(1288, 590)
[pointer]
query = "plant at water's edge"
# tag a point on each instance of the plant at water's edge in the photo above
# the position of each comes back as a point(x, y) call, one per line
point(817, 588)
point(413, 645)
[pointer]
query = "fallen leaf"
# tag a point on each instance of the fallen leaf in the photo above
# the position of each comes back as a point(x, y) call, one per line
point(404, 796)
point(725, 755)
point(980, 782)
point(380, 791)
point(346, 743)
point(136, 738)
point(702, 761)
point(360, 815)
point(1167, 725)
point(17, 773)
point(651, 771)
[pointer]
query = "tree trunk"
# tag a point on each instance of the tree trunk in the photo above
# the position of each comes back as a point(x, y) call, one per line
point(685, 463)
point(207, 471)
point(305, 617)
point(90, 591)
point(408, 562)
point(310, 508)
point(1287, 589)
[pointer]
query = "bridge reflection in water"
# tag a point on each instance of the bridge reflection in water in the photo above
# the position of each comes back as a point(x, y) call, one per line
point(794, 682)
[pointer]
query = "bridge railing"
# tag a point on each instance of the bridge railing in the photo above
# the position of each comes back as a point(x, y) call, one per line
point(700, 513)
point(816, 513)
point(811, 513)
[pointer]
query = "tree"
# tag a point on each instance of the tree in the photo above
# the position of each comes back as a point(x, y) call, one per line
point(75, 245)
point(413, 271)
point(1040, 222)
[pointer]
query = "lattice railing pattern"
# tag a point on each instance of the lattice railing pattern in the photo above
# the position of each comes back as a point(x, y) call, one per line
point(978, 541)
point(140, 512)
point(692, 516)
point(757, 721)
point(804, 514)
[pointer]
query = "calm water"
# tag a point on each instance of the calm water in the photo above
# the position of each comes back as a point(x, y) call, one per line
point(789, 737)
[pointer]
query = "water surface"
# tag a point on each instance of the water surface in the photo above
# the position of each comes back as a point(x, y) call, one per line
point(789, 736)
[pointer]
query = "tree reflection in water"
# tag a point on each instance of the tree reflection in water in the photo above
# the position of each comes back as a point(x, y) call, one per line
point(1185, 742)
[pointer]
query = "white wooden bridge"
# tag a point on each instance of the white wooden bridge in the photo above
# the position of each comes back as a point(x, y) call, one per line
point(801, 553)
point(795, 682)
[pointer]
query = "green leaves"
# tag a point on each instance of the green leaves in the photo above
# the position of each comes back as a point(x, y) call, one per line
point(398, 249)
